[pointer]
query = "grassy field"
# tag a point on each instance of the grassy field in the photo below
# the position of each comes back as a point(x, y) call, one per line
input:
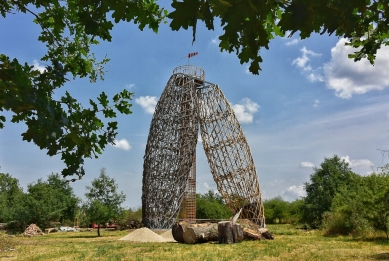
point(289, 244)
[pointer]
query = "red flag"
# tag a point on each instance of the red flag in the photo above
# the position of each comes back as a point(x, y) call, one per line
point(192, 54)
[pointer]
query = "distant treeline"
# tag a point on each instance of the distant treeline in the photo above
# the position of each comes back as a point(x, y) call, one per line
point(337, 200)
point(50, 202)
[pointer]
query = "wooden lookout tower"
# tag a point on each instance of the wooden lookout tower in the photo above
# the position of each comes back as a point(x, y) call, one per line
point(188, 105)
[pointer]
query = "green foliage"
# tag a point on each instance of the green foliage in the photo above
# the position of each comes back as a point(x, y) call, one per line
point(360, 206)
point(283, 212)
point(12, 203)
point(327, 180)
point(211, 206)
point(295, 213)
point(134, 214)
point(68, 29)
point(47, 201)
point(362, 21)
point(345, 217)
point(44, 202)
point(342, 222)
point(249, 26)
point(10, 196)
point(130, 218)
point(278, 211)
point(103, 205)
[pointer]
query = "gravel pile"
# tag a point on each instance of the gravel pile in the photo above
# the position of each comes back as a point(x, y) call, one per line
point(144, 235)
point(168, 236)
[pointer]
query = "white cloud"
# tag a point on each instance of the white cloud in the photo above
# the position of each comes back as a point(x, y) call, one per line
point(130, 86)
point(215, 41)
point(293, 42)
point(248, 69)
point(313, 75)
point(122, 144)
point(307, 164)
point(316, 103)
point(304, 59)
point(245, 110)
point(293, 192)
point(148, 103)
point(38, 67)
point(347, 77)
point(357, 163)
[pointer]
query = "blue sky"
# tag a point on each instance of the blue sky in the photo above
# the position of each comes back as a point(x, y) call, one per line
point(309, 102)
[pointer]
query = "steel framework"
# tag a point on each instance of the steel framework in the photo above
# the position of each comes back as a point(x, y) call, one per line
point(187, 102)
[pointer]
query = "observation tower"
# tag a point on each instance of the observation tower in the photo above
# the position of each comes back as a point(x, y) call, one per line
point(189, 105)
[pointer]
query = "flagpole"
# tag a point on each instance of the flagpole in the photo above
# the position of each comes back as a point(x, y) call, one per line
point(190, 55)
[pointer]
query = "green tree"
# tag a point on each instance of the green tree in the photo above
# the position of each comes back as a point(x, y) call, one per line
point(276, 210)
point(295, 212)
point(131, 218)
point(103, 205)
point(10, 197)
point(347, 211)
point(361, 206)
point(280, 211)
point(47, 201)
point(68, 29)
point(249, 26)
point(211, 206)
point(377, 203)
point(324, 184)
point(134, 214)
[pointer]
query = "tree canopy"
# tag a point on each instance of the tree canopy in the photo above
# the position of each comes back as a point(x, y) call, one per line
point(44, 201)
point(70, 28)
point(211, 206)
point(10, 195)
point(250, 25)
point(360, 206)
point(50, 200)
point(104, 201)
point(325, 182)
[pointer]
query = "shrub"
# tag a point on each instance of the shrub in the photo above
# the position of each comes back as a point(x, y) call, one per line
point(341, 222)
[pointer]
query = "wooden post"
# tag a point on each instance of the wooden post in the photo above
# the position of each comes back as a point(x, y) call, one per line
point(178, 230)
point(238, 233)
point(228, 233)
point(225, 232)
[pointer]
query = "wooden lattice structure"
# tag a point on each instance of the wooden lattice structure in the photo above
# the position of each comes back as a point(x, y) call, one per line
point(187, 102)
point(188, 205)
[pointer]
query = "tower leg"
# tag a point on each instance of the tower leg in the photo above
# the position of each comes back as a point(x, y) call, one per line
point(169, 153)
point(229, 154)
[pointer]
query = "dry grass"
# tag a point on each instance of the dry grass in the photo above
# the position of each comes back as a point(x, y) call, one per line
point(289, 244)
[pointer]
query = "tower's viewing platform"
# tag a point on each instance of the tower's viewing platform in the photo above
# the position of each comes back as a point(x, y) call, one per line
point(191, 70)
